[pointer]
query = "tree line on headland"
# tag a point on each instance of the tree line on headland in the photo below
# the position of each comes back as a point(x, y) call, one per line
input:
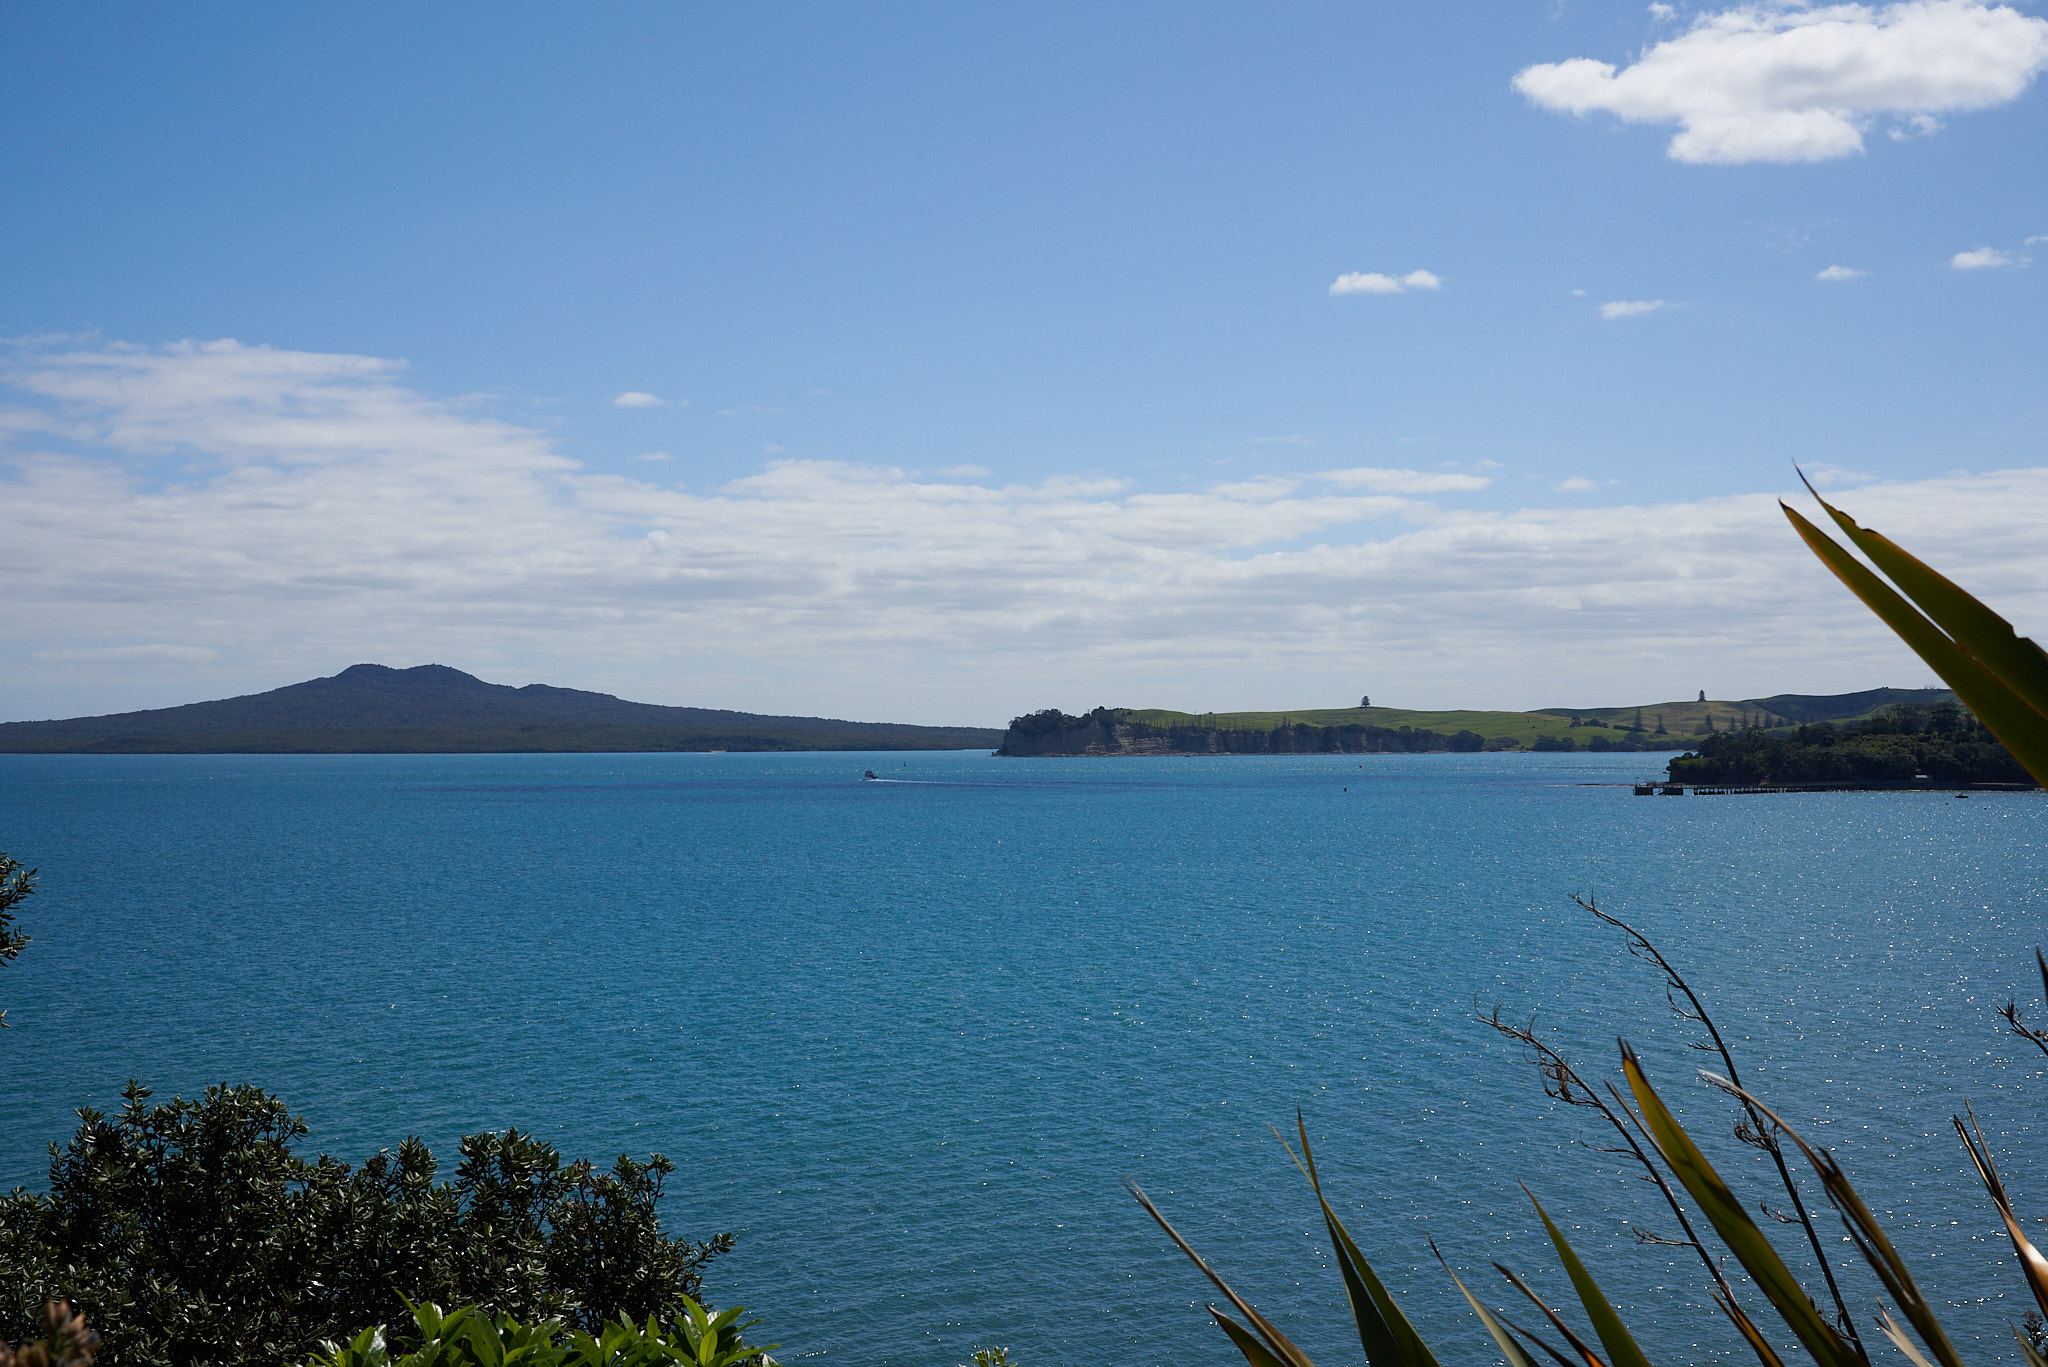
point(1944, 744)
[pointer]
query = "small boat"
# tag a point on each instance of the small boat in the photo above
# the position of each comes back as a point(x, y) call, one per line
point(871, 774)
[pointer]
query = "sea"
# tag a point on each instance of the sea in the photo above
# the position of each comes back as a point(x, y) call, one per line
point(909, 1037)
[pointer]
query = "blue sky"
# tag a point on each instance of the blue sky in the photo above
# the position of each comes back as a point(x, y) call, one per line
point(1085, 257)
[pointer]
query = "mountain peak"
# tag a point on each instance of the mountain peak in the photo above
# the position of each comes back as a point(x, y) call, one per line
point(383, 672)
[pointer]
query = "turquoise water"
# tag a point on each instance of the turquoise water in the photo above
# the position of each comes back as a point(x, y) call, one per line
point(907, 1038)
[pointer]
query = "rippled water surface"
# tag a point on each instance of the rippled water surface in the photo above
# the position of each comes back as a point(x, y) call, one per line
point(907, 1037)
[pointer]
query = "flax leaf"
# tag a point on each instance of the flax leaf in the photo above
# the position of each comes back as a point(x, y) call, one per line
point(1733, 1224)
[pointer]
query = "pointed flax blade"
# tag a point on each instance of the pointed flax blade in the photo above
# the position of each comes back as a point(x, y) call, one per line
point(1375, 1336)
point(1869, 1236)
point(1890, 1329)
point(1413, 1351)
point(1751, 1335)
point(2029, 1351)
point(1278, 1342)
point(1382, 1347)
point(2031, 1262)
point(1614, 1336)
point(1559, 1358)
point(1255, 1353)
point(1988, 637)
point(1585, 1350)
point(2017, 724)
point(1733, 1224)
point(1515, 1354)
point(1384, 1332)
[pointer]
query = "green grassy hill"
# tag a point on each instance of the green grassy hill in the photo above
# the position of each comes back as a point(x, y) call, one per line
point(1780, 709)
point(1523, 726)
point(1680, 720)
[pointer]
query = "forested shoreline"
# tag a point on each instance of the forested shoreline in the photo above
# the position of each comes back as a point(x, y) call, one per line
point(1943, 744)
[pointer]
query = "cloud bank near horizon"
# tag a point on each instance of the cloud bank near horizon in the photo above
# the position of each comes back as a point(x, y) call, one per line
point(206, 518)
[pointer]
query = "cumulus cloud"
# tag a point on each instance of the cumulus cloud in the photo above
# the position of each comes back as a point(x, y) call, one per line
point(1840, 273)
point(655, 455)
point(1982, 259)
point(1577, 484)
point(1630, 308)
point(238, 517)
point(634, 398)
point(1920, 126)
point(1372, 282)
point(1403, 481)
point(1834, 476)
point(1780, 83)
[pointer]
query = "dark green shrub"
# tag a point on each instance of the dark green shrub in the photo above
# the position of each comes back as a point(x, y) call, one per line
point(468, 1337)
point(16, 883)
point(192, 1232)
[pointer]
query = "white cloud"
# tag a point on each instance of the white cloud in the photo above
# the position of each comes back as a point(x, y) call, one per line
point(1661, 11)
point(1784, 83)
point(1840, 273)
point(1402, 481)
point(1834, 476)
point(1372, 282)
point(1983, 258)
point(634, 398)
point(237, 503)
point(1577, 484)
point(1365, 282)
point(1630, 308)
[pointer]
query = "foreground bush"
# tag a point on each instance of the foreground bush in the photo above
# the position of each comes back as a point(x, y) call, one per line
point(192, 1232)
point(16, 883)
point(468, 1337)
